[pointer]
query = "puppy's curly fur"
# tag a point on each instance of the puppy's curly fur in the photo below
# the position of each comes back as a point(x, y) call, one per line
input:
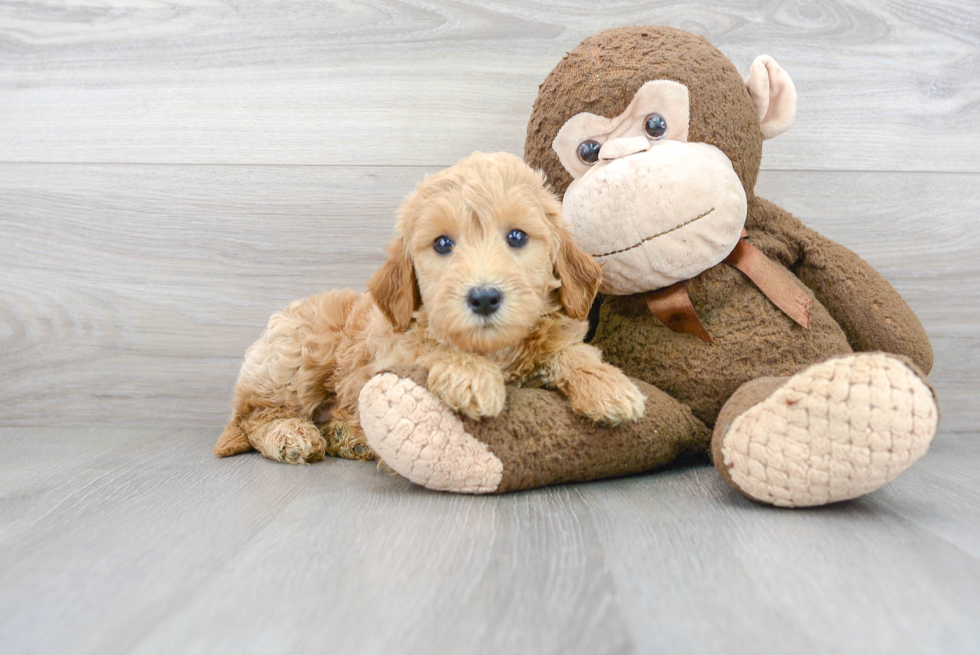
point(296, 398)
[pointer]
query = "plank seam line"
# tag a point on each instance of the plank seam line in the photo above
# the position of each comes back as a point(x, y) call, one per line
point(437, 165)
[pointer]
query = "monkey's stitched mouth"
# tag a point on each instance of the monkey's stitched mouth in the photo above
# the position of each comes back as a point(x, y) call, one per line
point(658, 234)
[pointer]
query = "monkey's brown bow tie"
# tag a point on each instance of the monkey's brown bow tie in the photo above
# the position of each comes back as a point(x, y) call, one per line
point(672, 306)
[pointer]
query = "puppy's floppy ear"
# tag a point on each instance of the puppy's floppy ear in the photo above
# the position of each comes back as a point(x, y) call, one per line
point(579, 273)
point(394, 287)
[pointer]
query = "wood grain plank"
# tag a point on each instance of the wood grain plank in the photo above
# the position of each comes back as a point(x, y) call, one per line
point(441, 574)
point(139, 540)
point(942, 495)
point(114, 546)
point(884, 85)
point(167, 549)
point(131, 292)
point(119, 278)
point(692, 559)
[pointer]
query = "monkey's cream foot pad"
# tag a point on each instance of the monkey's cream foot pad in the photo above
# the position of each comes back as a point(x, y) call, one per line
point(836, 431)
point(423, 440)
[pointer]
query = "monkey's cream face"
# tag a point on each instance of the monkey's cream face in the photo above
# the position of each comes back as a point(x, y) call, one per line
point(483, 256)
point(652, 208)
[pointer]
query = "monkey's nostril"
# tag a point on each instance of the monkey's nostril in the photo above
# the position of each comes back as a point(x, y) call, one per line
point(484, 300)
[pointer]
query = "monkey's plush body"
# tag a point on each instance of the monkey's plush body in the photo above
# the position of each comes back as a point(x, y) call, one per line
point(780, 353)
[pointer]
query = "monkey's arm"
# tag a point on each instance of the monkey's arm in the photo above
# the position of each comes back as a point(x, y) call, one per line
point(873, 315)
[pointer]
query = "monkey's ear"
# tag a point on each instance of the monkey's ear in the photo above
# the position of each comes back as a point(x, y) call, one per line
point(394, 287)
point(580, 276)
point(773, 94)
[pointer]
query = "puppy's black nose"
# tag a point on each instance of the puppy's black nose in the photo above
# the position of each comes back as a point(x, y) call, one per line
point(484, 300)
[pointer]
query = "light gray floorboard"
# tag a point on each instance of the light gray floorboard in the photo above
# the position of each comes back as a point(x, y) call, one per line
point(884, 85)
point(861, 577)
point(131, 292)
point(124, 540)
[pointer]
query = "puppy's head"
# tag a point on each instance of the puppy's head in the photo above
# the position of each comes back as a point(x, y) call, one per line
point(483, 247)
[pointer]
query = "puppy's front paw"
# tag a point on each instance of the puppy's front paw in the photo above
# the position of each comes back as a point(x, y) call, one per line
point(473, 387)
point(605, 395)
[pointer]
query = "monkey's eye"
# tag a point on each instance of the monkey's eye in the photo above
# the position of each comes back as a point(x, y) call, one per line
point(588, 151)
point(516, 238)
point(443, 244)
point(655, 126)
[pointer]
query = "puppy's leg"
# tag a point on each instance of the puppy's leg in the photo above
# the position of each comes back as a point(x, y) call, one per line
point(343, 434)
point(595, 389)
point(286, 377)
point(469, 384)
point(284, 438)
point(346, 440)
point(233, 439)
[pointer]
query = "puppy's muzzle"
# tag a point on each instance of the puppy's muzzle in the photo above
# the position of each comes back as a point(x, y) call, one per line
point(484, 301)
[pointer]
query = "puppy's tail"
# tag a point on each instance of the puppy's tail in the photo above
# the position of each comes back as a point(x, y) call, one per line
point(233, 440)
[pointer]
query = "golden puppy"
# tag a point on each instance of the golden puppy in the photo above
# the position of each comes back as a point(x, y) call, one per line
point(483, 286)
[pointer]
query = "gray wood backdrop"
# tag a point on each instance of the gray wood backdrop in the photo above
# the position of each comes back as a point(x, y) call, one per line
point(172, 173)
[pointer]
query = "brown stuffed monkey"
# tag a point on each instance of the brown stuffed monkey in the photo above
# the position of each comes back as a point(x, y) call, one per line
point(781, 354)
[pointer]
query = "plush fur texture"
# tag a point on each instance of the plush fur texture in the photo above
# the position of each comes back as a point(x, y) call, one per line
point(602, 74)
point(854, 308)
point(752, 337)
point(315, 356)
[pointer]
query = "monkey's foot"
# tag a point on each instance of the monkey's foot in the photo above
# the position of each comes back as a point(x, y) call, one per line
point(837, 430)
point(536, 440)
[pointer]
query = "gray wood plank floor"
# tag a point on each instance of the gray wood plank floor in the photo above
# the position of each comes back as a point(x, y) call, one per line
point(135, 541)
point(172, 173)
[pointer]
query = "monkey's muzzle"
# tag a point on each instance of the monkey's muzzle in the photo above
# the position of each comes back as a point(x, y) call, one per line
point(657, 217)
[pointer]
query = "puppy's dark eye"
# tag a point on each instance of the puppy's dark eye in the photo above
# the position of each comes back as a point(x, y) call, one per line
point(588, 151)
point(443, 244)
point(655, 126)
point(516, 238)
